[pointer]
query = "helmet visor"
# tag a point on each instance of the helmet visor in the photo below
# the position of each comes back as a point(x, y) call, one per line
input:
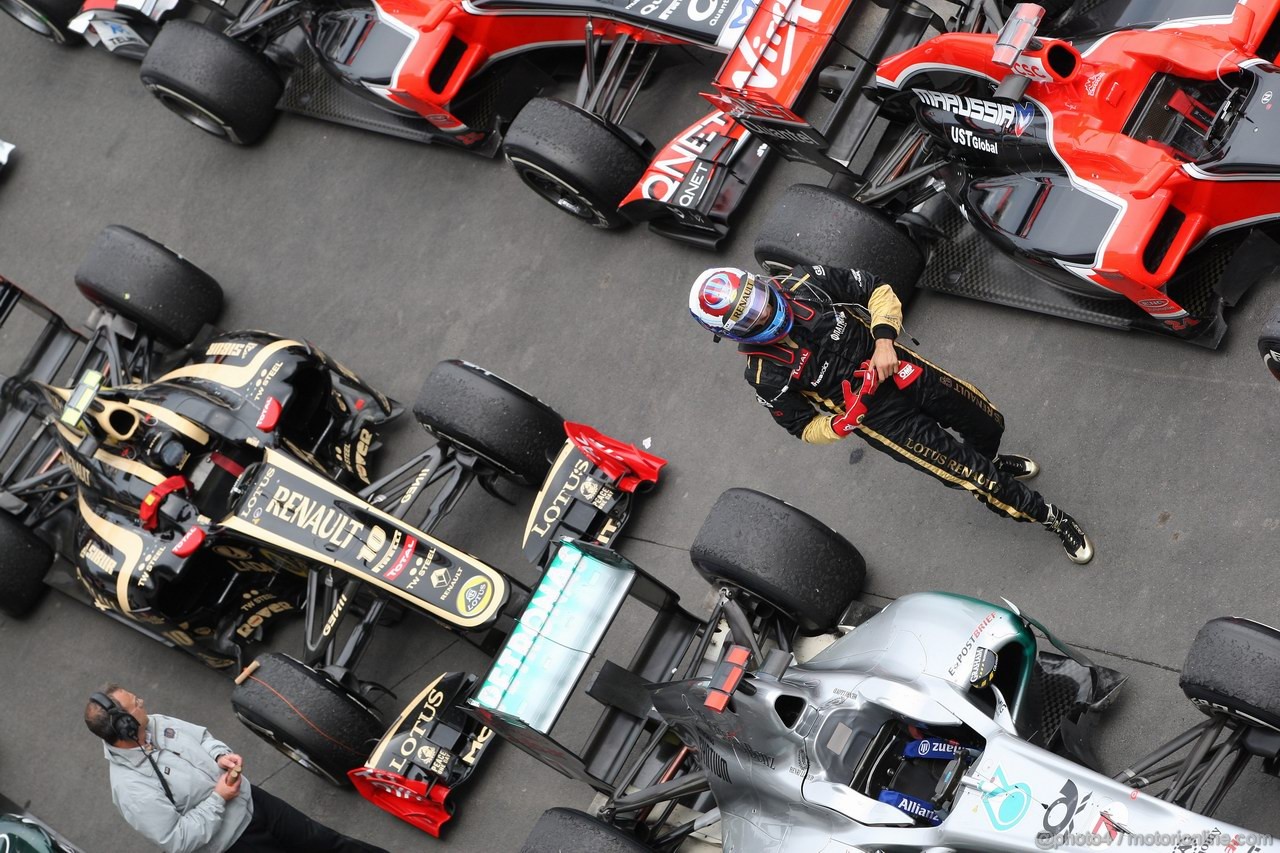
point(760, 314)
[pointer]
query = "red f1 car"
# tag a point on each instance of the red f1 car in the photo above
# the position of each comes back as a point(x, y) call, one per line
point(1118, 155)
point(468, 73)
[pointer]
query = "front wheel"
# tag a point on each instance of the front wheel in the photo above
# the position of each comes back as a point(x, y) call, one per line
point(574, 160)
point(484, 413)
point(572, 831)
point(1233, 666)
point(46, 18)
point(307, 716)
point(781, 556)
point(212, 81)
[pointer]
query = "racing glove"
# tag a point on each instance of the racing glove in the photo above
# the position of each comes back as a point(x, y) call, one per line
point(854, 409)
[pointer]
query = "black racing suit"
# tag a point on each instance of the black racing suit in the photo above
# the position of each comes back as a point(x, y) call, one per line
point(798, 379)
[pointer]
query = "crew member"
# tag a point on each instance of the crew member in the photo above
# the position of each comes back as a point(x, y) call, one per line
point(183, 789)
point(820, 349)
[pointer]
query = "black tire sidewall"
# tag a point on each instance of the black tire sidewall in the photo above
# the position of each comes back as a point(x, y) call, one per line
point(486, 414)
point(57, 14)
point(813, 225)
point(351, 729)
point(1234, 664)
point(24, 561)
point(146, 282)
point(589, 160)
point(205, 71)
point(781, 555)
point(571, 831)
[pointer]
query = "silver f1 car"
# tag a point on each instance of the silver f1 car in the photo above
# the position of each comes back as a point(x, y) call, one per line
point(936, 724)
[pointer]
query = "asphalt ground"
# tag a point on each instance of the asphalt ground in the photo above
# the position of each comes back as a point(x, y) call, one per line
point(393, 256)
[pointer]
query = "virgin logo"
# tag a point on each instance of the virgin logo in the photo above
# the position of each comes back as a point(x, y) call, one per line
point(767, 57)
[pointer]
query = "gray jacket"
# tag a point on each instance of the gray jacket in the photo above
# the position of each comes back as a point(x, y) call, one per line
point(187, 756)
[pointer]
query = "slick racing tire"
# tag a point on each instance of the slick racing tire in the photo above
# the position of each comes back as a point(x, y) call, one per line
point(215, 82)
point(24, 561)
point(1269, 343)
point(484, 413)
point(780, 555)
point(574, 160)
point(1234, 666)
point(47, 18)
point(307, 716)
point(143, 281)
point(572, 831)
point(813, 225)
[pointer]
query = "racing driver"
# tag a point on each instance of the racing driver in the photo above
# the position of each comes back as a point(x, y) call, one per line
point(821, 351)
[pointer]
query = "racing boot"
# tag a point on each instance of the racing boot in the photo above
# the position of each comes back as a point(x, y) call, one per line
point(1017, 467)
point(1074, 541)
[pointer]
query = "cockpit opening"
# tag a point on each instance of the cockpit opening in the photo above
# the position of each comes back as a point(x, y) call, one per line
point(916, 769)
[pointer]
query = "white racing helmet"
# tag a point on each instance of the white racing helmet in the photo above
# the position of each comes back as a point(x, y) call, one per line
point(740, 306)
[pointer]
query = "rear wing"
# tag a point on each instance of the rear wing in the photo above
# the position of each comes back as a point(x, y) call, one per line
point(26, 442)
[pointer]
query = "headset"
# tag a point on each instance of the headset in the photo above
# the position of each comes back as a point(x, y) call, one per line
point(125, 726)
point(123, 723)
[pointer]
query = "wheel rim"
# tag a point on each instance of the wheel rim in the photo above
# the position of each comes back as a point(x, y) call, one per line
point(300, 758)
point(557, 191)
point(33, 20)
point(190, 111)
point(293, 753)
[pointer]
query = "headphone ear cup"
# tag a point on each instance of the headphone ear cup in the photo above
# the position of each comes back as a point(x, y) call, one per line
point(125, 725)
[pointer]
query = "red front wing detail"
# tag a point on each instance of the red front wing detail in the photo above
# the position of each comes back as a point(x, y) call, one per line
point(1088, 113)
point(773, 60)
point(414, 802)
point(669, 168)
point(626, 463)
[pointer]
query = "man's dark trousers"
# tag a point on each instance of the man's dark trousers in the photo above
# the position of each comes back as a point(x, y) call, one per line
point(278, 827)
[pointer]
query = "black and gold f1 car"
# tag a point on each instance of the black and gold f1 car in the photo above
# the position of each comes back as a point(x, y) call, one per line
point(199, 490)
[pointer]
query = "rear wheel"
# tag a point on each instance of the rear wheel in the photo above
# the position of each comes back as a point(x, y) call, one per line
point(307, 716)
point(813, 225)
point(1269, 344)
point(484, 413)
point(1234, 666)
point(24, 561)
point(780, 555)
point(47, 18)
point(574, 160)
point(215, 82)
point(146, 282)
point(572, 831)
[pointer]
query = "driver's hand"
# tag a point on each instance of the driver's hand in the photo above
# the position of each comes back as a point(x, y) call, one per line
point(884, 361)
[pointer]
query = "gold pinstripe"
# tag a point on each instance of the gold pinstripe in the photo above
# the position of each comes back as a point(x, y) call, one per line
point(128, 544)
point(917, 357)
point(947, 476)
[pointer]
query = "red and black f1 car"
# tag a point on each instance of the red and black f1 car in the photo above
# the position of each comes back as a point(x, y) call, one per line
point(198, 491)
point(469, 73)
point(1117, 155)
